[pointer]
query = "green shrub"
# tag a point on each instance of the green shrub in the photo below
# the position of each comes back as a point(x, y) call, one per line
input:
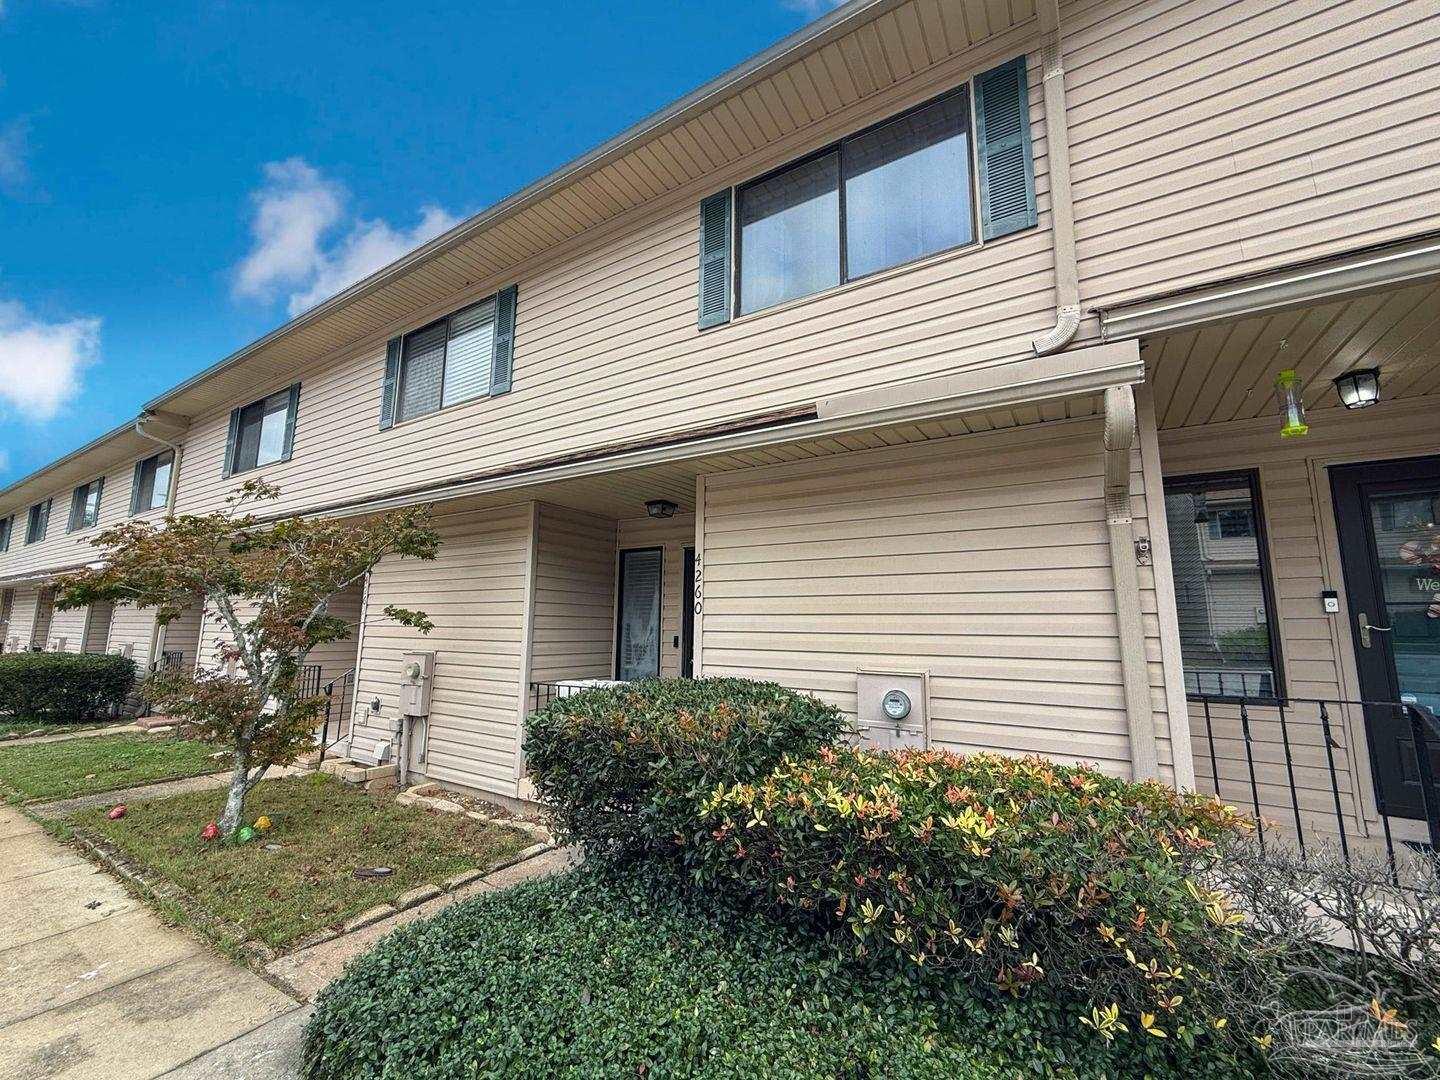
point(1013, 873)
point(63, 687)
point(586, 975)
point(622, 768)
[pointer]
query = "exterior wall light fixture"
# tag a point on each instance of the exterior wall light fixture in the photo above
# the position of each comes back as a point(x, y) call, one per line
point(1359, 389)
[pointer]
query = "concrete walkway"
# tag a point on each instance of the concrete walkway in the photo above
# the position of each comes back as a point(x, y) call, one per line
point(93, 985)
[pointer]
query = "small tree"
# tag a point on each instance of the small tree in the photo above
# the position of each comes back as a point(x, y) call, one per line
point(270, 582)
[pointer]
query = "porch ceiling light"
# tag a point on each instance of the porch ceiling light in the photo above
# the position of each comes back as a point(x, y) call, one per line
point(661, 508)
point(1359, 389)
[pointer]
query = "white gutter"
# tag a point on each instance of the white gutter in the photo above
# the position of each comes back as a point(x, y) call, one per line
point(175, 448)
point(1385, 266)
point(1062, 200)
point(1082, 371)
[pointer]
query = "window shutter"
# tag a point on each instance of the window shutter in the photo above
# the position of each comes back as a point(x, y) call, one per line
point(290, 413)
point(503, 367)
point(392, 381)
point(232, 442)
point(135, 488)
point(715, 259)
point(1007, 164)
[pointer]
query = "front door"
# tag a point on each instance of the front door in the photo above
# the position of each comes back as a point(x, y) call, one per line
point(1388, 518)
point(637, 635)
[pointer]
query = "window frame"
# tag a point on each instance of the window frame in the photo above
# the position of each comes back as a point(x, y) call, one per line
point(492, 298)
point(836, 147)
point(45, 523)
point(1250, 479)
point(7, 534)
point(136, 503)
point(232, 466)
point(76, 521)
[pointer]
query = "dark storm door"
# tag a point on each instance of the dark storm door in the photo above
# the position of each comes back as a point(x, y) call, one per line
point(687, 618)
point(637, 635)
point(1388, 517)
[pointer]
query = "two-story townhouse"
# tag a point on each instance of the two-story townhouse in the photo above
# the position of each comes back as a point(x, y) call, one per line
point(934, 351)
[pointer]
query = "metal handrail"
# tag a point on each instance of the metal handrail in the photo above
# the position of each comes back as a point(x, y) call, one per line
point(346, 682)
point(1425, 730)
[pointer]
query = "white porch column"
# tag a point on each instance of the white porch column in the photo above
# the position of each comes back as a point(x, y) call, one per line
point(1119, 441)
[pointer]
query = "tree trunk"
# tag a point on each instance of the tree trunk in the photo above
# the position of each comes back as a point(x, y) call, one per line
point(235, 800)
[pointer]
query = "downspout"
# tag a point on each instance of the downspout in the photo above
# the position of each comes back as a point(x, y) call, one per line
point(157, 631)
point(1062, 204)
point(1124, 555)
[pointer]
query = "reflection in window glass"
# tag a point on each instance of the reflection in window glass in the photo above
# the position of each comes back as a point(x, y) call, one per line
point(1225, 628)
point(261, 438)
point(790, 234)
point(907, 188)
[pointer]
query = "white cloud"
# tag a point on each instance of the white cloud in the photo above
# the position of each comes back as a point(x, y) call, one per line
point(811, 9)
point(308, 246)
point(41, 362)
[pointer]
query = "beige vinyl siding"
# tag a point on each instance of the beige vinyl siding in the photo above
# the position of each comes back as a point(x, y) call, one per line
point(97, 626)
point(135, 626)
point(1212, 138)
point(337, 657)
point(69, 625)
point(61, 550)
point(573, 634)
point(672, 536)
point(474, 592)
point(22, 618)
point(607, 347)
point(1316, 651)
point(983, 559)
point(44, 618)
point(182, 633)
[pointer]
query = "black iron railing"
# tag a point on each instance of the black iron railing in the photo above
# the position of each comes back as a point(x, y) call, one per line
point(169, 661)
point(1284, 759)
point(338, 694)
point(542, 693)
point(308, 684)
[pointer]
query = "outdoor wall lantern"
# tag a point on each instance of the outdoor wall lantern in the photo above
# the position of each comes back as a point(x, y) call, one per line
point(661, 508)
point(1359, 389)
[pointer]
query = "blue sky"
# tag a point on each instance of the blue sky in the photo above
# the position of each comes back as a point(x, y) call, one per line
point(178, 178)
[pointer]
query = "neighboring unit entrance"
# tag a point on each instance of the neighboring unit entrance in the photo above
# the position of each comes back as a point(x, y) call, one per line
point(1388, 518)
point(637, 634)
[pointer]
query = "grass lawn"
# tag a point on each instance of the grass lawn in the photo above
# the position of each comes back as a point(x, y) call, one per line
point(61, 770)
point(325, 831)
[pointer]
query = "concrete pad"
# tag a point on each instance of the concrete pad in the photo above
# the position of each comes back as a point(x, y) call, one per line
point(14, 823)
point(554, 861)
point(270, 1052)
point(29, 853)
point(67, 897)
point(63, 968)
point(140, 1028)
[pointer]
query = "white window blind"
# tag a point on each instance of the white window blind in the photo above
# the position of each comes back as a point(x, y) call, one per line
point(469, 353)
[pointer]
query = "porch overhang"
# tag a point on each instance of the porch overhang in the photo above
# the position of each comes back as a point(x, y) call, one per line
point(1076, 373)
point(1356, 273)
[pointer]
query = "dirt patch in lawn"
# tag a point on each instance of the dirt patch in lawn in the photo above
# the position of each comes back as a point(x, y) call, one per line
point(46, 772)
point(299, 877)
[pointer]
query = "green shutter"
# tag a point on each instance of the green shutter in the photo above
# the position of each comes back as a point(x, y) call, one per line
point(290, 413)
point(715, 259)
point(135, 488)
point(232, 443)
point(1007, 163)
point(392, 382)
point(502, 369)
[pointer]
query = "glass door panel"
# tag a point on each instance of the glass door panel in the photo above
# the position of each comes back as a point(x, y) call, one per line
point(638, 634)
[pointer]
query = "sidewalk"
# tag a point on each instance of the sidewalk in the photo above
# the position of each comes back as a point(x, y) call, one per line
point(92, 984)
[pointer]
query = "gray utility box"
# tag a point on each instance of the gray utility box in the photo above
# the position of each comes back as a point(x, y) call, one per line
point(892, 709)
point(417, 673)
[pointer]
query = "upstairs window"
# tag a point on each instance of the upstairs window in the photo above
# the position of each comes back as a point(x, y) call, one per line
point(37, 522)
point(85, 505)
point(889, 195)
point(151, 489)
point(263, 432)
point(937, 177)
point(1223, 593)
point(7, 527)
